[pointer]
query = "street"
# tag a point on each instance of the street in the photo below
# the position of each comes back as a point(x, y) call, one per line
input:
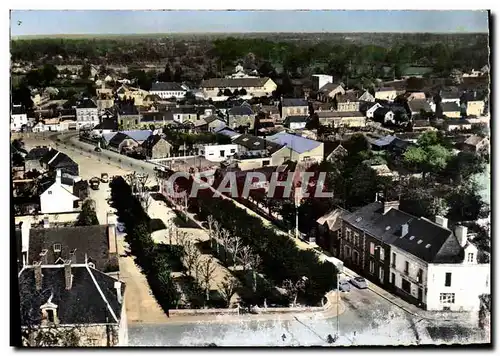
point(369, 319)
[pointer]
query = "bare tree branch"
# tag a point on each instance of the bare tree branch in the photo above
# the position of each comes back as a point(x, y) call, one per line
point(191, 258)
point(227, 288)
point(207, 272)
point(235, 244)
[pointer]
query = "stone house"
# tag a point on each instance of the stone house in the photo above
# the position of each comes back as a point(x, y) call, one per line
point(476, 144)
point(329, 91)
point(156, 146)
point(293, 106)
point(348, 102)
point(128, 117)
point(240, 116)
point(69, 304)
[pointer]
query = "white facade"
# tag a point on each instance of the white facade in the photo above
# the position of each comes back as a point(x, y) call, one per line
point(219, 153)
point(298, 125)
point(442, 286)
point(167, 94)
point(57, 198)
point(17, 121)
point(371, 111)
point(86, 117)
point(320, 80)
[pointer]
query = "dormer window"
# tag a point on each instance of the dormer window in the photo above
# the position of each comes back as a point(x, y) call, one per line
point(57, 247)
point(412, 238)
point(470, 257)
point(428, 245)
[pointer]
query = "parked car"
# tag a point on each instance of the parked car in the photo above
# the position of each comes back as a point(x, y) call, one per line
point(359, 282)
point(344, 286)
point(104, 177)
point(97, 149)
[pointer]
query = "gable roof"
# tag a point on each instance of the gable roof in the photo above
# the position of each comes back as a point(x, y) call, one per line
point(287, 102)
point(92, 298)
point(298, 144)
point(227, 132)
point(241, 110)
point(36, 153)
point(349, 96)
point(107, 124)
point(419, 104)
point(328, 88)
point(166, 86)
point(450, 107)
point(366, 96)
point(87, 104)
point(18, 110)
point(333, 219)
point(233, 82)
point(117, 139)
point(254, 143)
point(296, 118)
point(47, 157)
point(138, 135)
point(61, 160)
point(474, 140)
point(85, 240)
point(152, 140)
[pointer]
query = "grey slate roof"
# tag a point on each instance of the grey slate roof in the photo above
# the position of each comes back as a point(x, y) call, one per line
point(327, 114)
point(166, 86)
point(18, 110)
point(254, 143)
point(291, 102)
point(296, 143)
point(138, 135)
point(85, 240)
point(36, 153)
point(450, 107)
point(107, 124)
point(296, 118)
point(234, 82)
point(444, 247)
point(87, 104)
point(419, 104)
point(157, 116)
point(48, 156)
point(82, 304)
point(241, 111)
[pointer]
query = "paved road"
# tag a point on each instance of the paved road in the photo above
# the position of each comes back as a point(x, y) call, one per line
point(368, 320)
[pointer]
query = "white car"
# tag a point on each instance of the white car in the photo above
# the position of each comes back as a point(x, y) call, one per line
point(359, 282)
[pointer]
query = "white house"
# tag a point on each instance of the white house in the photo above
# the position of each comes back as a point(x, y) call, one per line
point(18, 118)
point(386, 93)
point(58, 198)
point(438, 268)
point(219, 153)
point(167, 90)
point(371, 111)
point(320, 80)
point(87, 115)
point(296, 122)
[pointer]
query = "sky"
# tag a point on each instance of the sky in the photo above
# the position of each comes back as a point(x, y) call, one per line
point(49, 22)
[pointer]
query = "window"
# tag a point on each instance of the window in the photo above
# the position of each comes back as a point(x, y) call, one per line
point(222, 153)
point(393, 259)
point(420, 275)
point(266, 163)
point(348, 234)
point(233, 150)
point(381, 253)
point(372, 267)
point(372, 248)
point(447, 298)
point(347, 252)
point(407, 267)
point(49, 192)
point(470, 257)
point(57, 247)
point(381, 274)
point(447, 282)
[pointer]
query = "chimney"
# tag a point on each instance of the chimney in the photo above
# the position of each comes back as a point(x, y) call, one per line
point(58, 176)
point(112, 238)
point(68, 277)
point(38, 275)
point(404, 230)
point(46, 224)
point(461, 234)
point(390, 205)
point(25, 236)
point(442, 221)
point(118, 287)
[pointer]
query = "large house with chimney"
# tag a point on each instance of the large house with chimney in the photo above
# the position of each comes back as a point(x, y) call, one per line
point(419, 259)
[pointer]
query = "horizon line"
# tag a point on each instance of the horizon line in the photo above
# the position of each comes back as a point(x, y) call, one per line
point(251, 32)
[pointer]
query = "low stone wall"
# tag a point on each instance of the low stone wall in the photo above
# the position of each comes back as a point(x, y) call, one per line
point(59, 218)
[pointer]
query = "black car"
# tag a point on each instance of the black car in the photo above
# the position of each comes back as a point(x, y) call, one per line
point(97, 149)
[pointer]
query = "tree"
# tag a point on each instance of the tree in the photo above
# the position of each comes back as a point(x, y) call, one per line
point(357, 143)
point(225, 240)
point(178, 75)
point(207, 272)
point(254, 264)
point(49, 74)
point(234, 246)
point(464, 165)
point(87, 216)
point(243, 92)
point(293, 289)
point(313, 123)
point(227, 288)
point(166, 75)
point(227, 92)
point(22, 95)
point(86, 71)
point(465, 203)
point(191, 258)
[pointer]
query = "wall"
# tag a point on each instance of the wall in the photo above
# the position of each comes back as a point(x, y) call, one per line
point(59, 201)
point(414, 265)
point(161, 149)
point(319, 80)
point(294, 110)
point(453, 114)
point(475, 108)
point(241, 120)
point(123, 326)
point(212, 153)
point(468, 281)
point(385, 95)
point(60, 218)
point(316, 154)
point(348, 106)
point(253, 163)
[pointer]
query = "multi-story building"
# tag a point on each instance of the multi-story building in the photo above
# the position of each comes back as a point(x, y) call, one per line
point(414, 257)
point(18, 118)
point(256, 87)
point(294, 107)
point(320, 80)
point(167, 90)
point(87, 115)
